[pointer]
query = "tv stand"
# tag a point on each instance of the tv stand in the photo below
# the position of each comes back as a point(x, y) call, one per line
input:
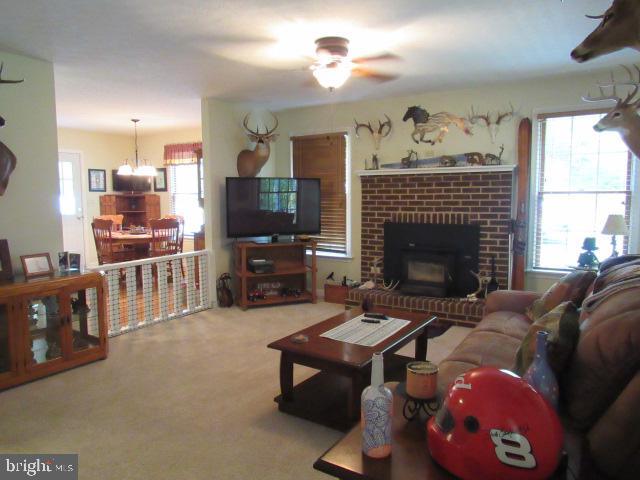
point(287, 284)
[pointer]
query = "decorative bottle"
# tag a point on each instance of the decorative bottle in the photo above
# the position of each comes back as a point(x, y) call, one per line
point(377, 410)
point(539, 374)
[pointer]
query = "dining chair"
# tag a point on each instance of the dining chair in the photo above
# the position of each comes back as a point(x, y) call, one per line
point(180, 219)
point(164, 237)
point(116, 219)
point(105, 249)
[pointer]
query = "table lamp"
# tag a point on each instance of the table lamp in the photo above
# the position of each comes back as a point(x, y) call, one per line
point(615, 225)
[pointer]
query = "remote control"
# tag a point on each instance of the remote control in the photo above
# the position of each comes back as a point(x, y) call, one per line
point(378, 316)
point(370, 320)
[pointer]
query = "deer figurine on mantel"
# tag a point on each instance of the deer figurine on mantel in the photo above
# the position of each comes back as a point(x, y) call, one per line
point(618, 29)
point(250, 162)
point(623, 118)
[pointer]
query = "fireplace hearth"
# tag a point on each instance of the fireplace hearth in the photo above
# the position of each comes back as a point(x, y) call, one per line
point(433, 260)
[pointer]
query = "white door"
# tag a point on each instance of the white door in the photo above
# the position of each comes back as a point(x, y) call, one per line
point(70, 171)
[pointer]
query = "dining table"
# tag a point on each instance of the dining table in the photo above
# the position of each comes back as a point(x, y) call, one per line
point(140, 241)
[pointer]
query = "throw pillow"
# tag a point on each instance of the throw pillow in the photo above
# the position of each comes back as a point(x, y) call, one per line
point(571, 288)
point(562, 325)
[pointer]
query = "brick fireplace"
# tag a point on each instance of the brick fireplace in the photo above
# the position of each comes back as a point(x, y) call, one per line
point(469, 197)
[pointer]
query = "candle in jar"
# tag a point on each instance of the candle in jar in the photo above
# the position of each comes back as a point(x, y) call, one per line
point(422, 379)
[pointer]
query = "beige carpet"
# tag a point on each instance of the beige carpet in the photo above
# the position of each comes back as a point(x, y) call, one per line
point(187, 399)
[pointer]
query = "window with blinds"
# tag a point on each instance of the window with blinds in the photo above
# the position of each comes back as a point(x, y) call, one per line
point(324, 157)
point(582, 177)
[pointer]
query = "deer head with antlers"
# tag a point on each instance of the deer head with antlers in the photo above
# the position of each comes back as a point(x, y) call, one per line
point(7, 158)
point(623, 118)
point(491, 123)
point(384, 129)
point(250, 162)
point(619, 28)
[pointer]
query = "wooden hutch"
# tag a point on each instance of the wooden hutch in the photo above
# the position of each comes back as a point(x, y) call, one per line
point(137, 208)
point(49, 324)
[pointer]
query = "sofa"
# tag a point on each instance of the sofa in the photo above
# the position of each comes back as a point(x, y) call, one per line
point(600, 383)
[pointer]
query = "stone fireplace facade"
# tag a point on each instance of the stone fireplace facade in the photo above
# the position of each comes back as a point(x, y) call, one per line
point(467, 198)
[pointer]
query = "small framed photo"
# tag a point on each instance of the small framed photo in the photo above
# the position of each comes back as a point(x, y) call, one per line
point(36, 265)
point(74, 261)
point(6, 271)
point(97, 180)
point(63, 261)
point(160, 180)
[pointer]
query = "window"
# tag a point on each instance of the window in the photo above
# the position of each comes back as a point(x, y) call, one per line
point(582, 177)
point(67, 196)
point(324, 157)
point(183, 185)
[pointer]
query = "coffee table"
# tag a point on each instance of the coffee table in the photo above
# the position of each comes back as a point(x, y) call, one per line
point(332, 396)
point(409, 460)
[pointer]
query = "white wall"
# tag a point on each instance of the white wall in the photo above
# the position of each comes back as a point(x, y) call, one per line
point(29, 214)
point(563, 92)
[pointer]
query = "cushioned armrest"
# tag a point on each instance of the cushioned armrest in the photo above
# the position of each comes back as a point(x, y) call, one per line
point(509, 300)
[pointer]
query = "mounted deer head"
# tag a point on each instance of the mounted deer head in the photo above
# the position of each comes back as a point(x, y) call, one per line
point(384, 129)
point(492, 125)
point(7, 158)
point(619, 28)
point(250, 162)
point(623, 118)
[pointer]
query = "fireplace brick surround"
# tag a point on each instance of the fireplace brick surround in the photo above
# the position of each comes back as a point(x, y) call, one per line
point(482, 198)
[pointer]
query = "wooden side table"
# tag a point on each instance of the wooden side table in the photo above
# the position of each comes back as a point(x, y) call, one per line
point(409, 458)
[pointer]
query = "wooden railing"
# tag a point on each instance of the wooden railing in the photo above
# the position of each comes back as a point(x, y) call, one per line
point(144, 292)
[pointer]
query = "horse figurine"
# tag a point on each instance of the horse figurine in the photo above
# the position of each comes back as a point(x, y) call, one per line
point(424, 123)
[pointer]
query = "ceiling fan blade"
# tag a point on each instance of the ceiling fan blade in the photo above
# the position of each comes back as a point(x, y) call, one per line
point(377, 58)
point(373, 75)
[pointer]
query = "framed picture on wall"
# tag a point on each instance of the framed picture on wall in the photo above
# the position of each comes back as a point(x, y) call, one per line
point(97, 180)
point(160, 180)
point(6, 271)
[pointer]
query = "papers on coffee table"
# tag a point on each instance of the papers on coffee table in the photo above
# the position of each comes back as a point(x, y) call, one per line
point(366, 334)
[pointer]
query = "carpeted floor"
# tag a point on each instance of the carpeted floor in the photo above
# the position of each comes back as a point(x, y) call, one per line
point(187, 399)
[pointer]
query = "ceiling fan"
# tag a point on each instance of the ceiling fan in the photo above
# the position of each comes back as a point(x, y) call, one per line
point(332, 66)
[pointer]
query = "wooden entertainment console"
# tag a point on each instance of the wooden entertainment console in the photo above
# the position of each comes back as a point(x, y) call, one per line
point(137, 208)
point(287, 284)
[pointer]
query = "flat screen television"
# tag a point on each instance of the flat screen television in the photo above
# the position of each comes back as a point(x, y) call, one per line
point(264, 206)
point(130, 183)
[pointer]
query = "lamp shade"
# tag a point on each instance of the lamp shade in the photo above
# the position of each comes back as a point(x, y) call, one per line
point(615, 225)
point(125, 169)
point(332, 76)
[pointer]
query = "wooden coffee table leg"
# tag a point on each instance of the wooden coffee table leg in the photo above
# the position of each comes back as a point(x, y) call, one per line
point(357, 385)
point(421, 345)
point(286, 378)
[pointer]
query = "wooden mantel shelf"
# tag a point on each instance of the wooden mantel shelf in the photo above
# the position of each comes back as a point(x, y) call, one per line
point(435, 170)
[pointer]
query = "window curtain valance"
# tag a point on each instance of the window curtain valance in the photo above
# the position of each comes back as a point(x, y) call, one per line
point(182, 153)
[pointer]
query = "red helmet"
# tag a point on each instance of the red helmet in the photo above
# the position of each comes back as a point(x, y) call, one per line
point(493, 425)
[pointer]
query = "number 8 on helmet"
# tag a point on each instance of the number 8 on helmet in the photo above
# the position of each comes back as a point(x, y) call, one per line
point(493, 425)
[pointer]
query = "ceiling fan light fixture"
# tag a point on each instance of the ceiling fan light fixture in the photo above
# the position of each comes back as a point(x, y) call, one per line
point(332, 76)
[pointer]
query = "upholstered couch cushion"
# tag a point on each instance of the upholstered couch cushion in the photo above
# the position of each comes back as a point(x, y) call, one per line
point(571, 288)
point(608, 353)
point(492, 343)
point(562, 325)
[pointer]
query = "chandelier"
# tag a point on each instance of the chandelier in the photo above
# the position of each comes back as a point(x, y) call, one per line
point(144, 170)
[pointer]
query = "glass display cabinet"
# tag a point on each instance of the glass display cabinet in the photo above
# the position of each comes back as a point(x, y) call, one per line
point(50, 324)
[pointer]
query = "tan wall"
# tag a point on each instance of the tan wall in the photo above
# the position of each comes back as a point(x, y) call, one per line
point(29, 213)
point(107, 151)
point(101, 151)
point(526, 96)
